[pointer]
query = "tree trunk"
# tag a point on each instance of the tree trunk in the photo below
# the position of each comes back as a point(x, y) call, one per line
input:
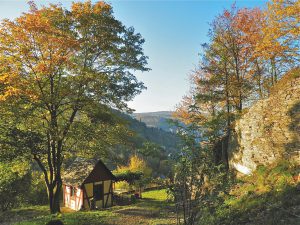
point(54, 197)
point(274, 73)
point(259, 80)
point(225, 148)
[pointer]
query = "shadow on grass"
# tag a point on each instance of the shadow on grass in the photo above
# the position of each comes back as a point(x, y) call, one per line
point(17, 215)
point(148, 208)
point(148, 213)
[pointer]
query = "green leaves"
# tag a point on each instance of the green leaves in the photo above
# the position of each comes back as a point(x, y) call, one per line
point(129, 176)
point(14, 182)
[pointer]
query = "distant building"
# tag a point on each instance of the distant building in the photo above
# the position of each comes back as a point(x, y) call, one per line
point(87, 184)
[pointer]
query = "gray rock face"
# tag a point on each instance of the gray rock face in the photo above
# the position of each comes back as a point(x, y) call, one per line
point(270, 130)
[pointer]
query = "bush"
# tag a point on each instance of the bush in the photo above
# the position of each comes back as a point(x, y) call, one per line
point(128, 176)
point(14, 184)
point(133, 199)
point(123, 185)
point(37, 194)
point(265, 197)
point(20, 187)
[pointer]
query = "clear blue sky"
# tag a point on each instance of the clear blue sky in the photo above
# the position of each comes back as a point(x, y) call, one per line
point(173, 30)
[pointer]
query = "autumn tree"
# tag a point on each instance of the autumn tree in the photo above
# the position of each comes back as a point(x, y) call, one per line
point(271, 35)
point(136, 173)
point(135, 164)
point(238, 66)
point(281, 34)
point(57, 67)
point(247, 52)
point(221, 83)
point(228, 49)
point(250, 22)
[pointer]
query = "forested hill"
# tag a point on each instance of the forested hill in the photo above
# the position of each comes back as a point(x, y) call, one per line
point(156, 119)
point(153, 127)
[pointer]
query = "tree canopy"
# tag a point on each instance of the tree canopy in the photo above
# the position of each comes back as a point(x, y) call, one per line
point(59, 69)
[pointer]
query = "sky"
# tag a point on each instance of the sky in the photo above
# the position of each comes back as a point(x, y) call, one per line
point(173, 31)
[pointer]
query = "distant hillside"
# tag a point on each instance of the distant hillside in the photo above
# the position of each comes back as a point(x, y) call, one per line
point(158, 132)
point(167, 141)
point(156, 119)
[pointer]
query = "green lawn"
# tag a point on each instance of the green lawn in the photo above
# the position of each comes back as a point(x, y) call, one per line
point(153, 209)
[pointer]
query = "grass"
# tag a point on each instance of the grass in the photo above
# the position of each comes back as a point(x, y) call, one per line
point(157, 195)
point(26, 213)
point(153, 209)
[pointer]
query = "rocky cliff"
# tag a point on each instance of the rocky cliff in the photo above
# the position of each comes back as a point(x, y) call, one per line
point(269, 130)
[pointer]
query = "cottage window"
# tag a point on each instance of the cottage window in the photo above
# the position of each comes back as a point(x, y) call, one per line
point(98, 192)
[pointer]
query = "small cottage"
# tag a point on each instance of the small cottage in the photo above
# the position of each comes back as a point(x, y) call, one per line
point(87, 184)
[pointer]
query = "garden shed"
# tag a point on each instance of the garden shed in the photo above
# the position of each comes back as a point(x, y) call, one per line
point(87, 184)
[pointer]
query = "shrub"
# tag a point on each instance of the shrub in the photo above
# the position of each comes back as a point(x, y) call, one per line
point(14, 184)
point(123, 185)
point(259, 197)
point(37, 194)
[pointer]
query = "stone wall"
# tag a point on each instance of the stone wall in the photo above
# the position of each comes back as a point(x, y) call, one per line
point(270, 129)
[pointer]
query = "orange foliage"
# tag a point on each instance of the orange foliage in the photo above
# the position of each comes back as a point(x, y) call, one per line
point(38, 46)
point(80, 9)
point(35, 47)
point(247, 54)
point(281, 29)
point(249, 22)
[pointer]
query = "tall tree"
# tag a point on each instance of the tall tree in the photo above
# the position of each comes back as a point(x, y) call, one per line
point(250, 22)
point(247, 53)
point(57, 66)
point(226, 40)
point(279, 42)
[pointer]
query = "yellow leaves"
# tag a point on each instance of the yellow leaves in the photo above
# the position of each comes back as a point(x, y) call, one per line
point(20, 168)
point(271, 33)
point(42, 68)
point(4, 77)
point(101, 6)
point(14, 88)
point(32, 47)
point(136, 164)
point(78, 9)
point(12, 82)
point(10, 92)
point(281, 28)
point(82, 9)
point(182, 111)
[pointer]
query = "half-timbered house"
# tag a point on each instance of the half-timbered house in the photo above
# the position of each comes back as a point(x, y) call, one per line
point(87, 184)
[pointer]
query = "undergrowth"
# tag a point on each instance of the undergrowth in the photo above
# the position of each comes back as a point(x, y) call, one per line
point(269, 196)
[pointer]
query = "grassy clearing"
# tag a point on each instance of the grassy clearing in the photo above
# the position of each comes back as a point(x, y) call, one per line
point(156, 195)
point(153, 209)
